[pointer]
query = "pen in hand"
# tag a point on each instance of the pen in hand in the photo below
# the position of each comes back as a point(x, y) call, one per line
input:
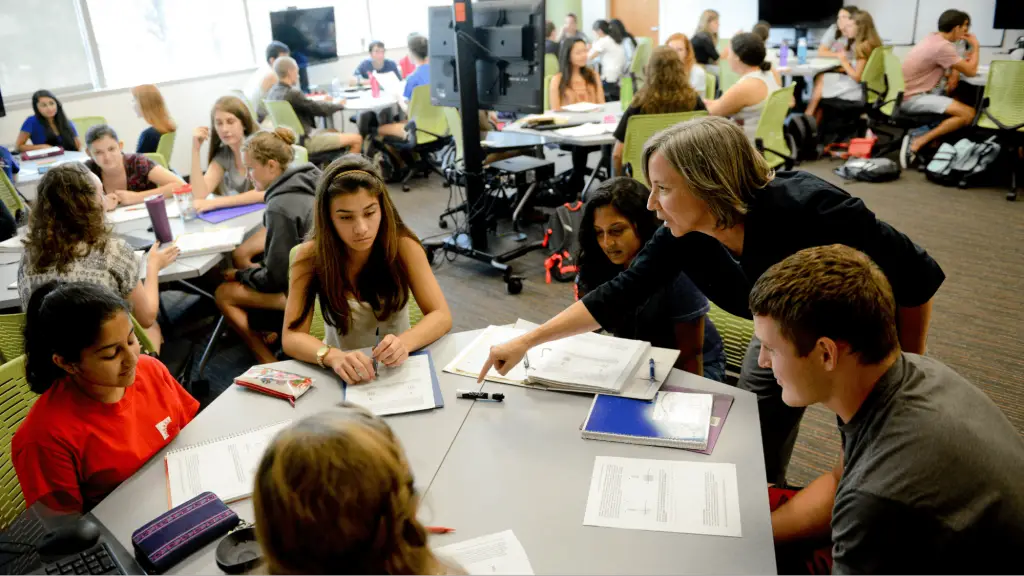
point(375, 361)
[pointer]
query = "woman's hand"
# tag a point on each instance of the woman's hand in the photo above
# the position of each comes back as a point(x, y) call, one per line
point(503, 357)
point(392, 351)
point(110, 202)
point(843, 58)
point(204, 205)
point(354, 367)
point(126, 198)
point(199, 135)
point(160, 258)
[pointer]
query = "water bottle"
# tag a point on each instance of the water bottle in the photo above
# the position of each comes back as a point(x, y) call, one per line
point(801, 51)
point(183, 199)
point(336, 88)
point(374, 85)
point(784, 54)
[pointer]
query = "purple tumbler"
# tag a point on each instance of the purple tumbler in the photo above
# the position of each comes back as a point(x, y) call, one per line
point(158, 216)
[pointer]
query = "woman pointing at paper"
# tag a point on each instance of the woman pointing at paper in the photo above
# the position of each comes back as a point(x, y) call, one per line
point(728, 218)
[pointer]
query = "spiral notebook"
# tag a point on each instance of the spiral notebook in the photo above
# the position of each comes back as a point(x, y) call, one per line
point(671, 420)
point(225, 466)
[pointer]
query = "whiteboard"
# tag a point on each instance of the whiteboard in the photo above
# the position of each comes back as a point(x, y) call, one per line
point(894, 19)
point(982, 12)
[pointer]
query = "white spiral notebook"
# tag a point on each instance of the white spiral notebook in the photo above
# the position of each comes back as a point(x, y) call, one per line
point(225, 466)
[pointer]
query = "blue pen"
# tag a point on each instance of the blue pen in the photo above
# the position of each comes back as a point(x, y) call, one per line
point(651, 364)
point(375, 363)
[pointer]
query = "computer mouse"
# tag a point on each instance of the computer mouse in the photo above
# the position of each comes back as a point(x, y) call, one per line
point(72, 538)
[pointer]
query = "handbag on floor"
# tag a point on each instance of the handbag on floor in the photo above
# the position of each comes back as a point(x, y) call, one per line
point(869, 170)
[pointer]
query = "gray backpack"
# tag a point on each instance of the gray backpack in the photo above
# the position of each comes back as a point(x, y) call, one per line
point(965, 164)
point(869, 170)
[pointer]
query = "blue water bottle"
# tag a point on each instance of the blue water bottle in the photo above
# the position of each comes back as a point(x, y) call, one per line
point(801, 51)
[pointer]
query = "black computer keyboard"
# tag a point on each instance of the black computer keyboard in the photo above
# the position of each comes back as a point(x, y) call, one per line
point(96, 560)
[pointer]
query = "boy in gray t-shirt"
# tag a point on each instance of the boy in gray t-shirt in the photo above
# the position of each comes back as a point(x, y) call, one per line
point(931, 472)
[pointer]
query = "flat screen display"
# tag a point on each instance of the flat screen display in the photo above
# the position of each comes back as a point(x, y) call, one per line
point(308, 33)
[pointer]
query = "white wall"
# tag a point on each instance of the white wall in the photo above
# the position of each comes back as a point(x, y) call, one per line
point(593, 10)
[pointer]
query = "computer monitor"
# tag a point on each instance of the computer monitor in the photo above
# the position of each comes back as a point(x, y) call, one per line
point(1009, 15)
point(798, 13)
point(510, 55)
point(308, 32)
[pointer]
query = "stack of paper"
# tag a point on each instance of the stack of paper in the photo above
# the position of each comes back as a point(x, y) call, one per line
point(585, 130)
point(470, 361)
point(499, 553)
point(212, 241)
point(582, 107)
point(411, 387)
point(138, 212)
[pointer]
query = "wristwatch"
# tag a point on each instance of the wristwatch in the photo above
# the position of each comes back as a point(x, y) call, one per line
point(321, 354)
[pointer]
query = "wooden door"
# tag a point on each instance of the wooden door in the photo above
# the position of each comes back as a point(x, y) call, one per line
point(639, 16)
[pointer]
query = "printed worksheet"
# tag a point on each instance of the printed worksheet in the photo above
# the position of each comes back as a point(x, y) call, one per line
point(407, 388)
point(587, 360)
point(664, 496)
point(470, 361)
point(499, 553)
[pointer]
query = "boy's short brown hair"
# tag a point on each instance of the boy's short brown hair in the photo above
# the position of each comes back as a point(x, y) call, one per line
point(832, 292)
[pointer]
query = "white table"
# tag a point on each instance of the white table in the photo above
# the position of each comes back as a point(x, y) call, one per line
point(484, 467)
point(426, 437)
point(28, 176)
point(979, 79)
point(813, 67)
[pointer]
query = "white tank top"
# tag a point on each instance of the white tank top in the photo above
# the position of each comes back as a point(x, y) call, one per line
point(363, 327)
point(751, 115)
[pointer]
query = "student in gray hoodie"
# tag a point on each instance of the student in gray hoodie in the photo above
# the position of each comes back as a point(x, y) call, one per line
point(289, 193)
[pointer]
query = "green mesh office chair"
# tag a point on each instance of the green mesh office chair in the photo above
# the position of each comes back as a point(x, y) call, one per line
point(547, 93)
point(12, 336)
point(736, 334)
point(431, 134)
point(1002, 107)
point(15, 400)
point(550, 65)
point(626, 91)
point(885, 117)
point(83, 124)
point(710, 85)
point(164, 149)
point(157, 157)
point(638, 68)
point(282, 114)
point(10, 197)
point(301, 154)
point(770, 138)
point(640, 128)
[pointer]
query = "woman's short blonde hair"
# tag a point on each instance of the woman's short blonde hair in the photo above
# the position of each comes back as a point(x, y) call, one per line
point(718, 163)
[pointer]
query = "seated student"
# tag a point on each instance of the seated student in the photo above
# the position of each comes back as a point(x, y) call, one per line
point(149, 105)
point(337, 524)
point(924, 68)
point(616, 224)
point(929, 478)
point(745, 99)
point(129, 178)
point(225, 182)
point(69, 199)
point(264, 78)
point(834, 40)
point(47, 126)
point(550, 38)
point(418, 49)
point(363, 264)
point(695, 72)
point(705, 39)
point(628, 42)
point(575, 82)
point(665, 91)
point(375, 63)
point(104, 410)
point(406, 65)
point(608, 50)
point(307, 110)
point(288, 219)
point(846, 85)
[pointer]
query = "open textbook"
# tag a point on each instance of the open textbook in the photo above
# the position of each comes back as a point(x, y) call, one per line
point(212, 241)
point(411, 387)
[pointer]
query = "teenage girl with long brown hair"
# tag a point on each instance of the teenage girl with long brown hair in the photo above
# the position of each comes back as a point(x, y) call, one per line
point(362, 263)
point(226, 182)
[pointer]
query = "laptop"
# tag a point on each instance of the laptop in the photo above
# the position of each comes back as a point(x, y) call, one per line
point(18, 556)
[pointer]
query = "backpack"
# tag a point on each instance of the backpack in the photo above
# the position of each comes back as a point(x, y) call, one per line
point(965, 164)
point(562, 241)
point(869, 170)
point(802, 134)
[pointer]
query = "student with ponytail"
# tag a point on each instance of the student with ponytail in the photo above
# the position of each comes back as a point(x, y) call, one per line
point(289, 191)
point(745, 99)
point(104, 409)
point(357, 517)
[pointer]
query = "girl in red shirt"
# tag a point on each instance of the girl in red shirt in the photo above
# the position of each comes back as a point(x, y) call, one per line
point(104, 409)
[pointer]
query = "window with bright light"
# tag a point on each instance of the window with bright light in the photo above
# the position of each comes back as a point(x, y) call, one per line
point(148, 41)
point(392, 21)
point(27, 63)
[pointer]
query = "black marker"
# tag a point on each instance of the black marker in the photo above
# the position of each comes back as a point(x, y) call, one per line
point(473, 395)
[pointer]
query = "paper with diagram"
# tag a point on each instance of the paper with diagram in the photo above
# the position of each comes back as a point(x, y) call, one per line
point(407, 388)
point(664, 496)
point(586, 362)
point(499, 553)
point(470, 361)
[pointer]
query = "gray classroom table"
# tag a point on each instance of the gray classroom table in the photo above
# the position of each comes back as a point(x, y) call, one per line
point(609, 109)
point(522, 465)
point(29, 174)
point(426, 437)
point(486, 467)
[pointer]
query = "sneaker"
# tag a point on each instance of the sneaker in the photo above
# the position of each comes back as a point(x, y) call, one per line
point(907, 156)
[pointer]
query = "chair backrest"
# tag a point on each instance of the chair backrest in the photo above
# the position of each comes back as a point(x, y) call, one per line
point(710, 84)
point(874, 75)
point(638, 67)
point(894, 79)
point(430, 119)
point(157, 157)
point(455, 129)
point(550, 65)
point(83, 124)
point(165, 146)
point(241, 95)
point(301, 154)
point(640, 128)
point(10, 197)
point(140, 333)
point(282, 114)
point(12, 336)
point(727, 77)
point(1005, 93)
point(736, 333)
point(547, 93)
point(771, 127)
point(15, 400)
point(626, 91)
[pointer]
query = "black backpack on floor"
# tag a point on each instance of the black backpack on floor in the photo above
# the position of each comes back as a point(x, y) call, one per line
point(802, 130)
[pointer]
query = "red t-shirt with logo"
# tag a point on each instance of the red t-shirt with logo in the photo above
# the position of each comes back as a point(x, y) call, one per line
point(71, 451)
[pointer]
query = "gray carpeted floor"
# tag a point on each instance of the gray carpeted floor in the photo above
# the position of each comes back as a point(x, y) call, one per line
point(977, 326)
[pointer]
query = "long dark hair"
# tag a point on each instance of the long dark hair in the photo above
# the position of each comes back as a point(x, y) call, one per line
point(83, 305)
point(629, 198)
point(618, 27)
point(603, 26)
point(749, 48)
point(384, 281)
point(65, 135)
point(566, 68)
point(66, 222)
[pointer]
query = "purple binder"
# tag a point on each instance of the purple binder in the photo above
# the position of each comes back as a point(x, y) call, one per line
point(218, 216)
point(720, 408)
